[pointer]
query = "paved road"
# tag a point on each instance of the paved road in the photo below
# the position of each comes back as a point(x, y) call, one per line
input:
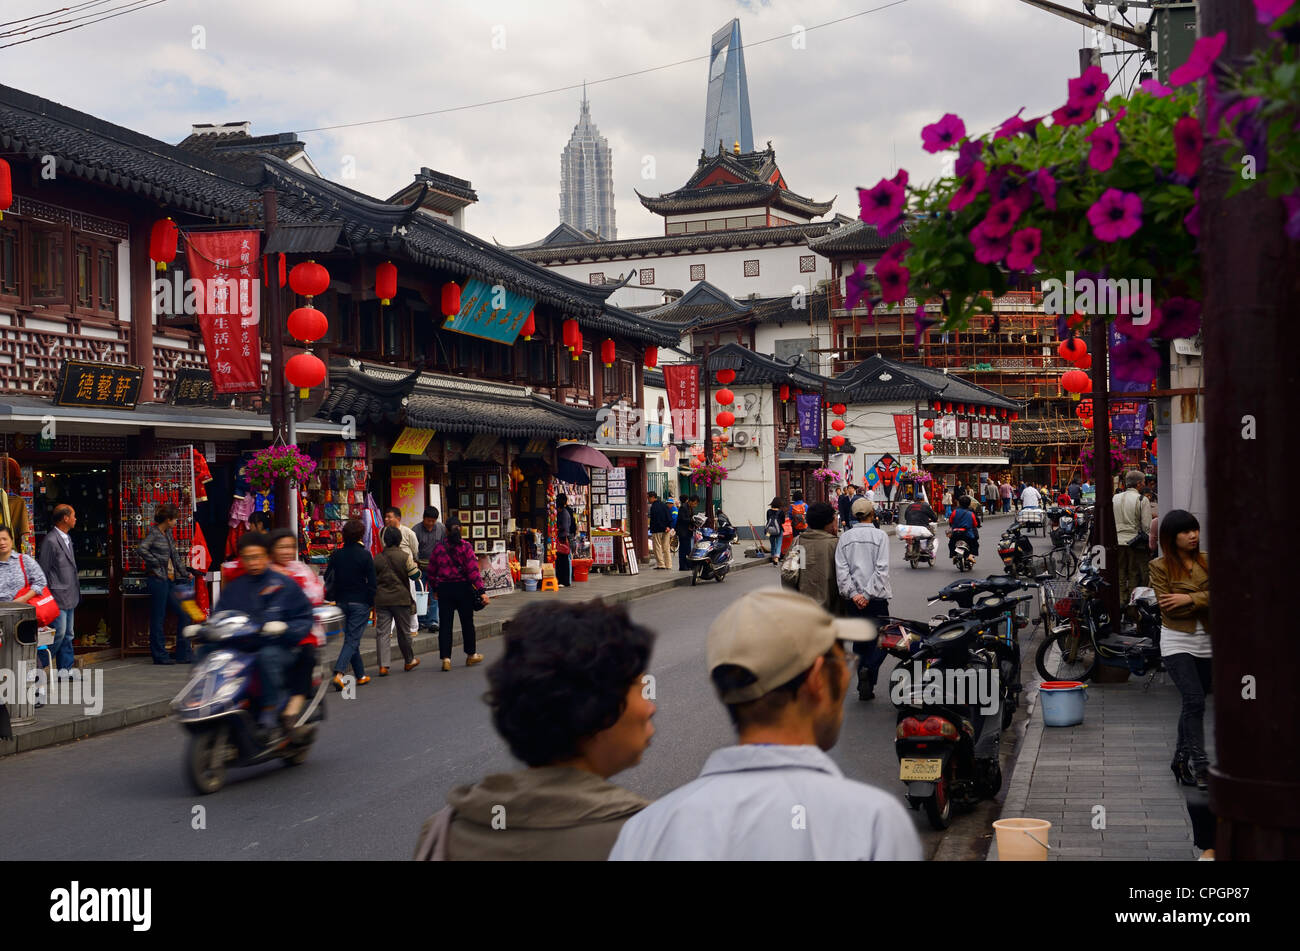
point(386, 760)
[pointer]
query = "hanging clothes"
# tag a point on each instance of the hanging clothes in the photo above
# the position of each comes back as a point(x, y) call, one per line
point(202, 476)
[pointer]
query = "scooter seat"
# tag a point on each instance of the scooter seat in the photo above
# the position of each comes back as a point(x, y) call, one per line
point(1123, 642)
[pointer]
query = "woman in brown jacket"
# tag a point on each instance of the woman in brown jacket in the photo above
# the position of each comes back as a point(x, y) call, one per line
point(1181, 580)
point(394, 570)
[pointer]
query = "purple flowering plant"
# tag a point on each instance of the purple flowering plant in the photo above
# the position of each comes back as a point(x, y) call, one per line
point(707, 474)
point(277, 462)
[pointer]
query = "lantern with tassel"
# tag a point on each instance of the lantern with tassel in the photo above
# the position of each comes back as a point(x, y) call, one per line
point(607, 352)
point(725, 377)
point(162, 242)
point(725, 397)
point(386, 283)
point(928, 447)
point(308, 323)
point(726, 418)
point(837, 441)
point(572, 333)
point(837, 425)
point(450, 300)
point(6, 187)
point(304, 371)
point(927, 435)
point(309, 279)
point(785, 392)
point(577, 346)
point(529, 328)
point(651, 357)
point(1074, 382)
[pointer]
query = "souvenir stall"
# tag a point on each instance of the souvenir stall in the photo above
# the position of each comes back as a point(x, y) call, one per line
point(478, 496)
point(335, 493)
point(527, 529)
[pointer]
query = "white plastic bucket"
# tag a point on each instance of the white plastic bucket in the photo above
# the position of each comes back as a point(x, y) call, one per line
point(1022, 840)
point(1062, 702)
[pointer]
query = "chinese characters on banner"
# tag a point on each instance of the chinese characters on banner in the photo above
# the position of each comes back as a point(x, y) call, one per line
point(903, 424)
point(986, 431)
point(1128, 419)
point(809, 406)
point(683, 383)
point(947, 427)
point(963, 428)
point(225, 263)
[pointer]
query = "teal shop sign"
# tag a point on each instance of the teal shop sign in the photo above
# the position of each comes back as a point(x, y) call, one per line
point(490, 312)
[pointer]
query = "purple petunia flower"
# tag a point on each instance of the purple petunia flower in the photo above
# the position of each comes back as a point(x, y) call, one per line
point(942, 134)
point(1134, 361)
point(901, 178)
point(1204, 53)
point(1153, 87)
point(1090, 88)
point(1105, 146)
point(893, 279)
point(1001, 217)
point(1266, 11)
point(1291, 203)
point(1182, 318)
point(1074, 112)
point(1025, 246)
point(970, 187)
point(1045, 185)
point(896, 251)
point(1192, 220)
point(1115, 215)
point(967, 157)
point(1143, 327)
point(858, 287)
point(1253, 132)
point(881, 204)
point(1249, 104)
point(1187, 144)
point(989, 249)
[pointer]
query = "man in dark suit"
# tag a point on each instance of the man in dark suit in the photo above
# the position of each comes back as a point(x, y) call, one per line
point(660, 523)
point(59, 562)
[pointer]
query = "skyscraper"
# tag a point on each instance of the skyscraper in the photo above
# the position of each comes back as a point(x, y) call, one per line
point(726, 117)
point(587, 179)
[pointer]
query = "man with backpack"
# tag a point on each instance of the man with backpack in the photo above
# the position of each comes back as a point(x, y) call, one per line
point(798, 513)
point(809, 568)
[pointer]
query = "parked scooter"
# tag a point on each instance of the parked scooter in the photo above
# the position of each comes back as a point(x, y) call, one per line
point(219, 707)
point(920, 543)
point(710, 555)
point(1016, 552)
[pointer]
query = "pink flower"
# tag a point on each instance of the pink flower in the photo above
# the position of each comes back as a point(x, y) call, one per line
point(1074, 112)
point(1250, 104)
point(1001, 217)
point(1115, 215)
point(1045, 185)
point(1144, 326)
point(896, 250)
point(1090, 88)
point(1187, 144)
point(967, 156)
point(901, 178)
point(970, 187)
point(881, 204)
point(1153, 87)
point(1134, 361)
point(942, 134)
point(1025, 246)
point(1204, 53)
point(1266, 11)
point(988, 249)
point(1105, 146)
point(1292, 205)
point(1182, 318)
point(1015, 125)
point(858, 287)
point(893, 279)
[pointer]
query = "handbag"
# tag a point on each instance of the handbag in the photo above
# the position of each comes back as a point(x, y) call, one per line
point(792, 567)
point(47, 609)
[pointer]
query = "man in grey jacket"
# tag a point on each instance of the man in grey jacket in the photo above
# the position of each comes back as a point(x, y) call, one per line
point(59, 562)
point(428, 534)
point(815, 577)
point(862, 571)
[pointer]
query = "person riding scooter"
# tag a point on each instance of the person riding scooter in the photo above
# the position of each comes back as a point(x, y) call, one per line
point(964, 525)
point(267, 596)
point(919, 513)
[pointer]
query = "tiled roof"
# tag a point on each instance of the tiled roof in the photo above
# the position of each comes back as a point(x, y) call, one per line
point(241, 150)
point(877, 380)
point(740, 195)
point(1048, 431)
point(665, 245)
point(561, 234)
point(855, 237)
point(757, 368)
point(702, 303)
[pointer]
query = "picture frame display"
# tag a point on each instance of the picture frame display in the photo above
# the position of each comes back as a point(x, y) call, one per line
point(480, 531)
point(480, 548)
point(464, 515)
point(480, 500)
point(494, 515)
point(494, 498)
point(464, 500)
point(494, 531)
point(478, 481)
point(492, 480)
point(480, 517)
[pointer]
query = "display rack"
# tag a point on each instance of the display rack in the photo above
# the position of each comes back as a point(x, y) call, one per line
point(336, 492)
point(144, 485)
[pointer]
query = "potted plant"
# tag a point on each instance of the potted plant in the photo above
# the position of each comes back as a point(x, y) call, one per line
point(707, 473)
point(279, 462)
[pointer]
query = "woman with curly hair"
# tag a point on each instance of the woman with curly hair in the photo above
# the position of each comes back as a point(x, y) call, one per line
point(567, 696)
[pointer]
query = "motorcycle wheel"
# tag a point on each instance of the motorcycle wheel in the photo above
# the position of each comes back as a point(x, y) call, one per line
point(912, 562)
point(695, 575)
point(938, 806)
point(992, 781)
point(1052, 659)
point(720, 576)
point(1062, 562)
point(202, 751)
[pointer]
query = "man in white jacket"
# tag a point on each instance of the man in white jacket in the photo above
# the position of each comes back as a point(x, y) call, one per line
point(862, 572)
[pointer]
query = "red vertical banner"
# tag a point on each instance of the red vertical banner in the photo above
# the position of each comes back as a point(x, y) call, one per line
point(904, 427)
point(229, 301)
point(683, 383)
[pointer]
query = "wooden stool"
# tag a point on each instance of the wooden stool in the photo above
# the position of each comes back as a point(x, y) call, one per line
point(550, 584)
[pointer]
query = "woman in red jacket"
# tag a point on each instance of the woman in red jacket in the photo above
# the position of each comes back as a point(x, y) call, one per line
point(455, 579)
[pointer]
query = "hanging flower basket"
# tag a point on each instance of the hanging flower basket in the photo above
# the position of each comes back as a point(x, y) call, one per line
point(829, 476)
point(707, 474)
point(279, 462)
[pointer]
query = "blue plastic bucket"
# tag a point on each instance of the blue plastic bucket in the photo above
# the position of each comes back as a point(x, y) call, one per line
point(1062, 702)
point(530, 584)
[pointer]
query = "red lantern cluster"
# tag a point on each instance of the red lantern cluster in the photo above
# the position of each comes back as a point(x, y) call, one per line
point(162, 241)
point(1072, 349)
point(306, 370)
point(386, 283)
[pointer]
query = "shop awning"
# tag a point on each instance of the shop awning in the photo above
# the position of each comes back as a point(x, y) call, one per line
point(584, 455)
point(27, 414)
point(966, 461)
point(800, 457)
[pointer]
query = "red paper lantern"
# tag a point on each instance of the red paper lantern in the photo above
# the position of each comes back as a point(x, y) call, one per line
point(927, 435)
point(726, 377)
point(785, 392)
point(305, 371)
point(1084, 362)
point(927, 423)
point(947, 407)
point(726, 418)
point(928, 447)
point(839, 409)
point(386, 283)
point(530, 327)
point(572, 333)
point(309, 279)
point(937, 406)
point(577, 346)
point(1015, 415)
point(1075, 381)
point(1072, 349)
point(607, 352)
point(725, 397)
point(652, 357)
point(837, 441)
point(837, 425)
point(308, 323)
point(6, 187)
point(450, 300)
point(162, 242)
point(1086, 423)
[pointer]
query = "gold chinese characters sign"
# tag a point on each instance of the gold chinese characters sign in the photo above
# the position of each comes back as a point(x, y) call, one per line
point(103, 385)
point(412, 441)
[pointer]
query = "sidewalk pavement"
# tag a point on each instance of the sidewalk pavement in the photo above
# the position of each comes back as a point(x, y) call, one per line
point(136, 690)
point(1117, 759)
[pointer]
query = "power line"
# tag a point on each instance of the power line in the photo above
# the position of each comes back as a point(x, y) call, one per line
point(593, 82)
point(135, 7)
point(43, 16)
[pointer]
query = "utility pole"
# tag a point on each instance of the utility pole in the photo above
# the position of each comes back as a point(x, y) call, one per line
point(280, 518)
point(708, 433)
point(1104, 509)
point(824, 488)
point(1251, 275)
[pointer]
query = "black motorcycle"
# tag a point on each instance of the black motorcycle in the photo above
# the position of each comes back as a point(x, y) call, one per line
point(1017, 552)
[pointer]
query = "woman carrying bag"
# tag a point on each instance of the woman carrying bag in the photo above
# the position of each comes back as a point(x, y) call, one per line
point(565, 530)
point(455, 578)
point(775, 528)
point(394, 569)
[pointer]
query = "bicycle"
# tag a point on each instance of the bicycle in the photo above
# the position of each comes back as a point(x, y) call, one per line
point(1079, 634)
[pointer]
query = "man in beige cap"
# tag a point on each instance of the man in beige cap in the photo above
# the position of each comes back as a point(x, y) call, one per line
point(779, 665)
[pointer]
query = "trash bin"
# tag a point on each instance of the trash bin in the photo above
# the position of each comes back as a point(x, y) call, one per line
point(18, 630)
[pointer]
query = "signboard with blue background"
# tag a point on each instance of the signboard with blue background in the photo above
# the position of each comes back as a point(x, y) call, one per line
point(479, 317)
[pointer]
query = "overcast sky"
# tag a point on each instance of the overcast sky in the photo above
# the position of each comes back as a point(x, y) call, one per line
point(836, 112)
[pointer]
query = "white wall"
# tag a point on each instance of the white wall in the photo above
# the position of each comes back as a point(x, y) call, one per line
point(1180, 460)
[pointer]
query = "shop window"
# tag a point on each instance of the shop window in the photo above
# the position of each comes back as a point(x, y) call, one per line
point(496, 361)
point(370, 327)
point(394, 339)
point(9, 262)
point(609, 383)
point(627, 380)
point(541, 368)
point(85, 276)
point(106, 267)
point(48, 266)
